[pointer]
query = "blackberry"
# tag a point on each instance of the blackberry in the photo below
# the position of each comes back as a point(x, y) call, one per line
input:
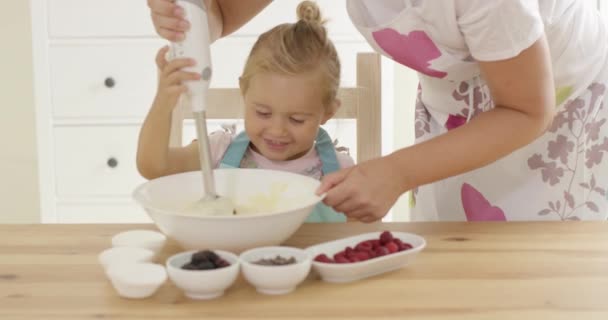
point(204, 255)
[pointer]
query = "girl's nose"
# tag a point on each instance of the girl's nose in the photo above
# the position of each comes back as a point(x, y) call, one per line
point(277, 128)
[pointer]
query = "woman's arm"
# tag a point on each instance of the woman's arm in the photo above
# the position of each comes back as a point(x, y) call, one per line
point(524, 96)
point(225, 16)
point(523, 92)
point(235, 13)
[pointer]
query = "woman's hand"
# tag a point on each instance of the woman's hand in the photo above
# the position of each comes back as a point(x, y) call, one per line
point(223, 17)
point(168, 19)
point(171, 77)
point(365, 192)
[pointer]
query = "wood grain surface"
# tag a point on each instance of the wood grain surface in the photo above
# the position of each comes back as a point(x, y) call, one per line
point(531, 270)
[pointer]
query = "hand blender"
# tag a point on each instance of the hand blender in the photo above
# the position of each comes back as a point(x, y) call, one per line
point(196, 46)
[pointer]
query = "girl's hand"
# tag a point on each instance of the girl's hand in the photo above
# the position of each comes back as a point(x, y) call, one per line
point(171, 77)
point(365, 192)
point(168, 19)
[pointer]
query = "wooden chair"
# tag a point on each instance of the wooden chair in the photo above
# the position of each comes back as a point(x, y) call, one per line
point(361, 103)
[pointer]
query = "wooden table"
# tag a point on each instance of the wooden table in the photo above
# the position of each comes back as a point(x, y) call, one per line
point(533, 270)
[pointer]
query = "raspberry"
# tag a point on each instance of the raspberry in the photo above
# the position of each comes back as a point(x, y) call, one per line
point(402, 245)
point(323, 258)
point(341, 254)
point(381, 251)
point(375, 243)
point(367, 249)
point(386, 237)
point(364, 246)
point(362, 255)
point(392, 247)
point(349, 251)
point(405, 246)
point(341, 259)
point(354, 259)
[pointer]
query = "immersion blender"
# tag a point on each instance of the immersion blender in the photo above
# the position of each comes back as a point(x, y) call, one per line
point(196, 45)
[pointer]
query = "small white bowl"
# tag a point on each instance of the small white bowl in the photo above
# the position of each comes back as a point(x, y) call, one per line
point(136, 280)
point(275, 279)
point(347, 272)
point(148, 239)
point(124, 255)
point(202, 284)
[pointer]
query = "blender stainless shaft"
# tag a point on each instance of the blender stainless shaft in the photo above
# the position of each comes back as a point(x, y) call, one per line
point(205, 155)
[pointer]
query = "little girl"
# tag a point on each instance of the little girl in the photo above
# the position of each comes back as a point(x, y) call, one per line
point(289, 86)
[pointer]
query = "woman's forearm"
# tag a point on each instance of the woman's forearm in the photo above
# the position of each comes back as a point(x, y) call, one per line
point(523, 92)
point(228, 16)
point(487, 138)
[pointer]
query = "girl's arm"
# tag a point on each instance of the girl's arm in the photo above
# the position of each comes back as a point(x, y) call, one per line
point(154, 157)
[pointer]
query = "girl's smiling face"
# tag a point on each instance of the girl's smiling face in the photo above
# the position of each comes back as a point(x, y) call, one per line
point(283, 113)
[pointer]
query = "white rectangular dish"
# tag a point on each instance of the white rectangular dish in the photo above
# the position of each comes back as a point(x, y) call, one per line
point(347, 272)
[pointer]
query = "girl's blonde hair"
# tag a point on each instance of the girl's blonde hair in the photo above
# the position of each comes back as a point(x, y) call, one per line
point(296, 48)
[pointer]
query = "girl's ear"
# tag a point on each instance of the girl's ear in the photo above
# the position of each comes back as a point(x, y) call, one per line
point(331, 110)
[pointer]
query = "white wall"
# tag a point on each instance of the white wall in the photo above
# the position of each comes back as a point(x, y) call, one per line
point(18, 166)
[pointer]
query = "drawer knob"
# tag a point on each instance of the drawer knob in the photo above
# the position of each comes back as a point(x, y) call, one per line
point(109, 82)
point(112, 162)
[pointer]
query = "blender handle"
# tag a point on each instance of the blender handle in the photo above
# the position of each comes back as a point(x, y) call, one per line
point(196, 45)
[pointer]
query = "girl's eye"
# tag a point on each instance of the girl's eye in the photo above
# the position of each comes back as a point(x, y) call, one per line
point(296, 121)
point(263, 114)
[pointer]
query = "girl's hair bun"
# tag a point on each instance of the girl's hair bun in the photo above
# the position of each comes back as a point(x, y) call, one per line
point(309, 11)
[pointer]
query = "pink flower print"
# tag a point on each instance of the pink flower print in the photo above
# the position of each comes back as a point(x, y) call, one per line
point(550, 171)
point(455, 121)
point(595, 154)
point(477, 207)
point(593, 130)
point(560, 148)
point(415, 50)
point(423, 117)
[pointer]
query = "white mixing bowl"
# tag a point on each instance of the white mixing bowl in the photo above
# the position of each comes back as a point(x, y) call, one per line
point(282, 200)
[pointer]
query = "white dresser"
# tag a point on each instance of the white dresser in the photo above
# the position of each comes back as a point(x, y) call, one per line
point(95, 79)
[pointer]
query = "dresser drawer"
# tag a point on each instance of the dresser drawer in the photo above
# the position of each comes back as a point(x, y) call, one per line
point(103, 80)
point(119, 79)
point(93, 212)
point(96, 160)
point(94, 18)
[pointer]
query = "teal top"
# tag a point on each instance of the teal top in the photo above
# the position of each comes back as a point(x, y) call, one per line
point(327, 153)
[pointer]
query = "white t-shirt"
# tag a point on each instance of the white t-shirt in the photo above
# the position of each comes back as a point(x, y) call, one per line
point(489, 30)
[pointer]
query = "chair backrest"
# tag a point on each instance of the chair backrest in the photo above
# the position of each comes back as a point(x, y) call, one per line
point(361, 103)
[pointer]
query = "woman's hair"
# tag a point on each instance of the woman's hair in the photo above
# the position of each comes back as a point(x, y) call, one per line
point(296, 48)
